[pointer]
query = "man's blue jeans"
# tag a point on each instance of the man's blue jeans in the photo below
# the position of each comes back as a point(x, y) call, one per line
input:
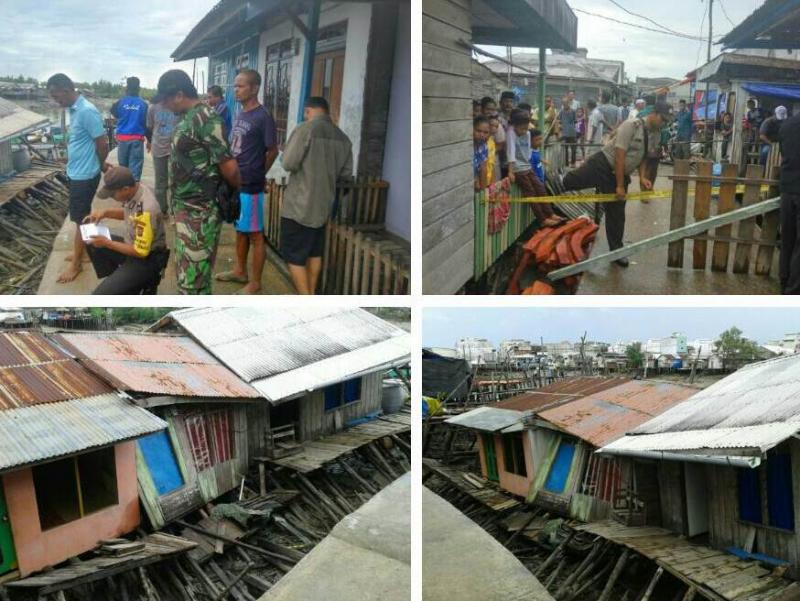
point(131, 155)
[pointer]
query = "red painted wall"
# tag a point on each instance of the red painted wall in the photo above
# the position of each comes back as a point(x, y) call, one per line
point(37, 550)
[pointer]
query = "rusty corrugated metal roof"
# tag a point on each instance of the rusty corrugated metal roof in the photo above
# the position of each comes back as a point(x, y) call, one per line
point(560, 392)
point(155, 364)
point(604, 416)
point(34, 371)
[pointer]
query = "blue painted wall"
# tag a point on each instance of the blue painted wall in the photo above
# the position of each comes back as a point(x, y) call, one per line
point(247, 46)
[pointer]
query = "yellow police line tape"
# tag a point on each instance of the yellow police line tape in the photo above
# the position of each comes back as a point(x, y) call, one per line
point(591, 198)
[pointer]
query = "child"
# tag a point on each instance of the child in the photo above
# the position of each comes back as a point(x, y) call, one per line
point(480, 134)
point(580, 130)
point(493, 165)
point(521, 172)
point(536, 154)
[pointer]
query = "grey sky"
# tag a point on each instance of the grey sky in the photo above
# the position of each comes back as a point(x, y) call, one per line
point(94, 39)
point(650, 54)
point(443, 327)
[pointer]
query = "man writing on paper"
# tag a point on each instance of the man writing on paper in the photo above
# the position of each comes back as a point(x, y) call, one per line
point(133, 263)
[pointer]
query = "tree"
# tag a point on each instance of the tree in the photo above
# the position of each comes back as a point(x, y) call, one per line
point(634, 355)
point(734, 349)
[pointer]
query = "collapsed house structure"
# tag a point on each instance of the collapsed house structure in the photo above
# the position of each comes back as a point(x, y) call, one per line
point(720, 464)
point(67, 455)
point(540, 445)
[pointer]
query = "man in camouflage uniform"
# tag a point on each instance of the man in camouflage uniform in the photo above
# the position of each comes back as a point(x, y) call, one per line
point(200, 157)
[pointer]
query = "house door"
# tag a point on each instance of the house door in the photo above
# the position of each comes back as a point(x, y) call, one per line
point(491, 457)
point(161, 462)
point(327, 80)
point(696, 487)
point(8, 557)
point(559, 471)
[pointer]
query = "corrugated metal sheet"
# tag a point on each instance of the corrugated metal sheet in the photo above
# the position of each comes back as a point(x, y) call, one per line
point(559, 392)
point(488, 419)
point(755, 407)
point(34, 371)
point(155, 364)
point(14, 119)
point(604, 416)
point(40, 432)
point(287, 351)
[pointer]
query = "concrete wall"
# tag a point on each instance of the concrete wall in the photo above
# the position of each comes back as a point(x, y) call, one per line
point(358, 17)
point(397, 158)
point(37, 549)
point(448, 219)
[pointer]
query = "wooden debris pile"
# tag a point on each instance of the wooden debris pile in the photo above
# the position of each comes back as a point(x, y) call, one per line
point(31, 215)
point(243, 555)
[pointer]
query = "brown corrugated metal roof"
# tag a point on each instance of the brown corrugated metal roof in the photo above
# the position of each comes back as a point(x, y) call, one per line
point(34, 371)
point(155, 364)
point(560, 392)
point(604, 416)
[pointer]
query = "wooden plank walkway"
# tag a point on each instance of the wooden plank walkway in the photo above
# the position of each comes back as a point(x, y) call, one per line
point(487, 493)
point(40, 171)
point(158, 546)
point(317, 453)
point(716, 574)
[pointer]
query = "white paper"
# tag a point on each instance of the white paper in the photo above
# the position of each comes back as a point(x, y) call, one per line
point(92, 229)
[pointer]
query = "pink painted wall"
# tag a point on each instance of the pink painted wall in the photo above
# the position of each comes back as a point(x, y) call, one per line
point(514, 483)
point(37, 550)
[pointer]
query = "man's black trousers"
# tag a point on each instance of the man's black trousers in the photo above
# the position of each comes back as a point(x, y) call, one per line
point(126, 275)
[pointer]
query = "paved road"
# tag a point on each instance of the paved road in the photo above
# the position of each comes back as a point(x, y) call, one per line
point(274, 281)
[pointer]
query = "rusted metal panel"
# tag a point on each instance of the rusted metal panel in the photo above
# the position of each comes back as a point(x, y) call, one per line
point(604, 416)
point(27, 348)
point(155, 364)
point(560, 392)
point(39, 432)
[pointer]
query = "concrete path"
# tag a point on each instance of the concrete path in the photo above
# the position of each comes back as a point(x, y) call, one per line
point(274, 281)
point(648, 272)
point(366, 557)
point(462, 561)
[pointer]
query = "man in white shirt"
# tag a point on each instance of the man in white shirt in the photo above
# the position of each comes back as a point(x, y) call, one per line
point(594, 131)
point(638, 106)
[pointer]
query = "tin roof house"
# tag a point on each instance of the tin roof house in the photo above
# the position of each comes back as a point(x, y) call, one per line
point(14, 121)
point(540, 445)
point(319, 370)
point(67, 455)
point(355, 54)
point(216, 423)
point(455, 239)
point(723, 463)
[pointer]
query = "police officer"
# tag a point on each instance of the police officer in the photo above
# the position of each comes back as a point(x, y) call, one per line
point(200, 157)
point(609, 170)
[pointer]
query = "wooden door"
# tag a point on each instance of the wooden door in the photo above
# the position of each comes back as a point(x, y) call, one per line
point(327, 80)
point(491, 457)
point(158, 454)
point(559, 470)
point(8, 556)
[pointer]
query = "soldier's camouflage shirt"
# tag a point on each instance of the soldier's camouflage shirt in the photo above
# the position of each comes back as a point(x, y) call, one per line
point(198, 136)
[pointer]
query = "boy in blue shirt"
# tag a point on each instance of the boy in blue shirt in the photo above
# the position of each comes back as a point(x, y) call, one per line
point(131, 114)
point(536, 154)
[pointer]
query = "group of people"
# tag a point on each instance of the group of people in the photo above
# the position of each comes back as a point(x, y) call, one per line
point(202, 157)
point(507, 142)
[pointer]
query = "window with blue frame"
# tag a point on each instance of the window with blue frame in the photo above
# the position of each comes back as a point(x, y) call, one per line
point(770, 482)
point(342, 393)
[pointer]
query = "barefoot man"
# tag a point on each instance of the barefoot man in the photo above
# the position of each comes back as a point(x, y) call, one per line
point(254, 145)
point(86, 156)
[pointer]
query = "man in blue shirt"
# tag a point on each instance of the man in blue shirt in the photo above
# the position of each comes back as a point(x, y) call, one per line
point(87, 150)
point(683, 121)
point(131, 114)
point(216, 100)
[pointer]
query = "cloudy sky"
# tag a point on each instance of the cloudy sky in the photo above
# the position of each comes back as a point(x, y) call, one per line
point(94, 39)
point(443, 327)
point(650, 54)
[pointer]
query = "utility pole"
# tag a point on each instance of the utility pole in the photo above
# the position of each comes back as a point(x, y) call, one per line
point(709, 139)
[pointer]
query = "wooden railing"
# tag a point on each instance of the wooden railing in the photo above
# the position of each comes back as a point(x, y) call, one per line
point(280, 440)
point(753, 242)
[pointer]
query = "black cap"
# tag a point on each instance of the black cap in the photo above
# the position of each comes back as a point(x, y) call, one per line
point(507, 94)
point(663, 109)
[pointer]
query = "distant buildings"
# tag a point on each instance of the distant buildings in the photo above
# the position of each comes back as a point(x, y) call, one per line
point(478, 351)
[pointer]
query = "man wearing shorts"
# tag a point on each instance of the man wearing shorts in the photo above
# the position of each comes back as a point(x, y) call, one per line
point(317, 155)
point(254, 145)
point(87, 150)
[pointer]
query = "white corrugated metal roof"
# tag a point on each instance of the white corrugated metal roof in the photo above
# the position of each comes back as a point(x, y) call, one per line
point(755, 407)
point(32, 434)
point(14, 119)
point(488, 419)
point(285, 352)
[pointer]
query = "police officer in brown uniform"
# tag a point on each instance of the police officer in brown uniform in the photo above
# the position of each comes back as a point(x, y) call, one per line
point(609, 169)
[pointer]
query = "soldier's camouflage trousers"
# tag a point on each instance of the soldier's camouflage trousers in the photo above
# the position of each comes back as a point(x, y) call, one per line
point(197, 237)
